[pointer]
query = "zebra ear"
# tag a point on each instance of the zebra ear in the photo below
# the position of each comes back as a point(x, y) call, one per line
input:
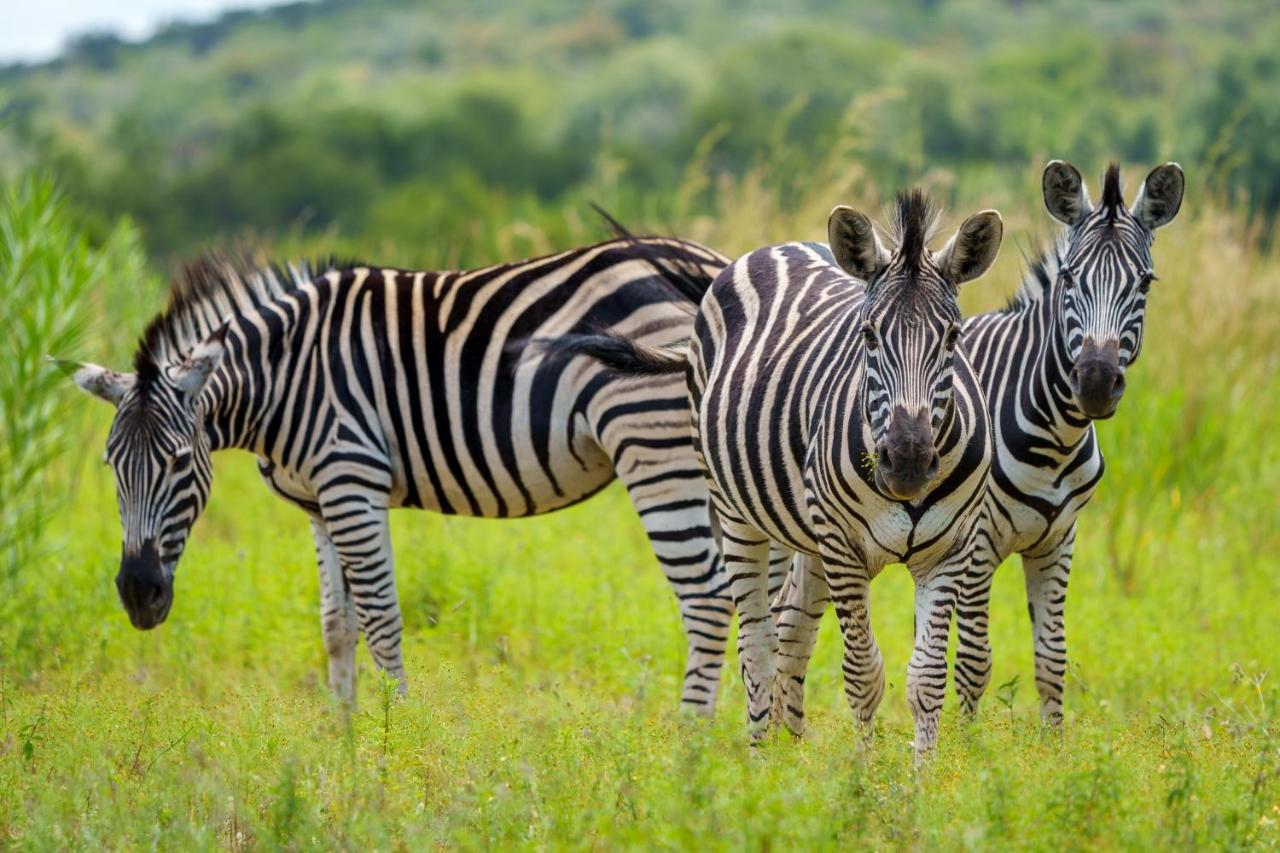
point(1160, 197)
point(855, 244)
point(973, 249)
point(1065, 196)
point(96, 380)
point(195, 370)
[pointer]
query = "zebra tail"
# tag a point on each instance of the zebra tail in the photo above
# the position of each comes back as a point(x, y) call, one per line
point(616, 352)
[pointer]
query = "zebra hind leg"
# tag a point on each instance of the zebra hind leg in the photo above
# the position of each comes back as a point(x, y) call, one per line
point(680, 532)
point(798, 611)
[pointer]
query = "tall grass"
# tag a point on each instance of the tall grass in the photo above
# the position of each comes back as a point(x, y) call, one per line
point(48, 272)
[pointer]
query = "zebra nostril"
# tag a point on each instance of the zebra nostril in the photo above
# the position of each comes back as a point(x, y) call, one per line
point(1117, 387)
point(882, 459)
point(156, 596)
point(934, 464)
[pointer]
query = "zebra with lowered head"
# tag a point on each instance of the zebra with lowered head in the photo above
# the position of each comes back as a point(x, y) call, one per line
point(1050, 364)
point(834, 415)
point(362, 389)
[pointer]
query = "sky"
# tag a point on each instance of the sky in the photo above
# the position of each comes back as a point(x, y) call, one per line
point(35, 30)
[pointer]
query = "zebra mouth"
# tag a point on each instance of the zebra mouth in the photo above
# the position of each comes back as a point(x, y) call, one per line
point(902, 489)
point(145, 586)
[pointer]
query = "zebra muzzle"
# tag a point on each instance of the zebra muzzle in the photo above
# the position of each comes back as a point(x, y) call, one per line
point(1097, 379)
point(906, 460)
point(145, 591)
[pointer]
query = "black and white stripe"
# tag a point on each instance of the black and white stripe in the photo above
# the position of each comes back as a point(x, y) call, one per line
point(834, 417)
point(363, 389)
point(1049, 364)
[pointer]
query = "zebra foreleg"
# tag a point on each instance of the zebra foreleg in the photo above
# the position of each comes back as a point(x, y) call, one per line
point(746, 561)
point(850, 589)
point(973, 643)
point(1046, 576)
point(362, 541)
point(337, 617)
point(927, 669)
point(798, 611)
point(779, 564)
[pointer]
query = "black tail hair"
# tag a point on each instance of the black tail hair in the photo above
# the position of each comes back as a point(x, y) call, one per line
point(620, 354)
point(683, 276)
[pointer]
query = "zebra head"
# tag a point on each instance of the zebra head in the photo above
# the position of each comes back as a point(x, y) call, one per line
point(158, 450)
point(1104, 274)
point(910, 328)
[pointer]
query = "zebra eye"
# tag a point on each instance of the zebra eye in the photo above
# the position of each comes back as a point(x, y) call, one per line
point(869, 337)
point(953, 337)
point(181, 461)
point(1067, 278)
point(1145, 284)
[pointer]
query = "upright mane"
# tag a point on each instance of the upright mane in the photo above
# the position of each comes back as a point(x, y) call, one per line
point(912, 226)
point(1112, 191)
point(209, 289)
point(1041, 273)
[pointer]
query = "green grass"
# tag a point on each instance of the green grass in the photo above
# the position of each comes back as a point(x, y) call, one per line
point(545, 663)
point(545, 658)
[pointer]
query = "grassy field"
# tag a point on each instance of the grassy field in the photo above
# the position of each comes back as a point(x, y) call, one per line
point(545, 655)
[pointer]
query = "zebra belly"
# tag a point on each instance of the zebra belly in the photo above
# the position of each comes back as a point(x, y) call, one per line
point(508, 479)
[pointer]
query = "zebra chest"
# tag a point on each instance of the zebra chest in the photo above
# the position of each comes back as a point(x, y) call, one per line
point(883, 531)
point(1038, 501)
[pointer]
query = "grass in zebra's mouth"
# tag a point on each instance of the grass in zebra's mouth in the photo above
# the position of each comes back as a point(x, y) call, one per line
point(545, 660)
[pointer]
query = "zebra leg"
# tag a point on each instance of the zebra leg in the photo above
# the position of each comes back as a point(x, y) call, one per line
point(798, 610)
point(746, 561)
point(850, 589)
point(1046, 577)
point(337, 616)
point(681, 535)
point(362, 540)
point(780, 558)
point(973, 643)
point(927, 669)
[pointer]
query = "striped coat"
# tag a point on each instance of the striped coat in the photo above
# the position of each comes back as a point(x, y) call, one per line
point(363, 389)
point(833, 416)
point(1049, 364)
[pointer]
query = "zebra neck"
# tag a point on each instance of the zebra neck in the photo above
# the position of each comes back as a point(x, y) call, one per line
point(240, 398)
point(1046, 384)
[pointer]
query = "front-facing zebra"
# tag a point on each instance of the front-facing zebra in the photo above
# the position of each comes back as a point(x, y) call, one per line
point(1050, 363)
point(834, 415)
point(363, 389)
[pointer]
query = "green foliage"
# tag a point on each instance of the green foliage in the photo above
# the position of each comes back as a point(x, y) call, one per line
point(306, 120)
point(545, 659)
point(47, 271)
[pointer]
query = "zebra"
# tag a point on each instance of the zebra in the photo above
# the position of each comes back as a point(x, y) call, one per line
point(364, 389)
point(834, 416)
point(1050, 363)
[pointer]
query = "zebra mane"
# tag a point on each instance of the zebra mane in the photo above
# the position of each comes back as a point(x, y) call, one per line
point(912, 225)
point(1112, 191)
point(1041, 273)
point(208, 290)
